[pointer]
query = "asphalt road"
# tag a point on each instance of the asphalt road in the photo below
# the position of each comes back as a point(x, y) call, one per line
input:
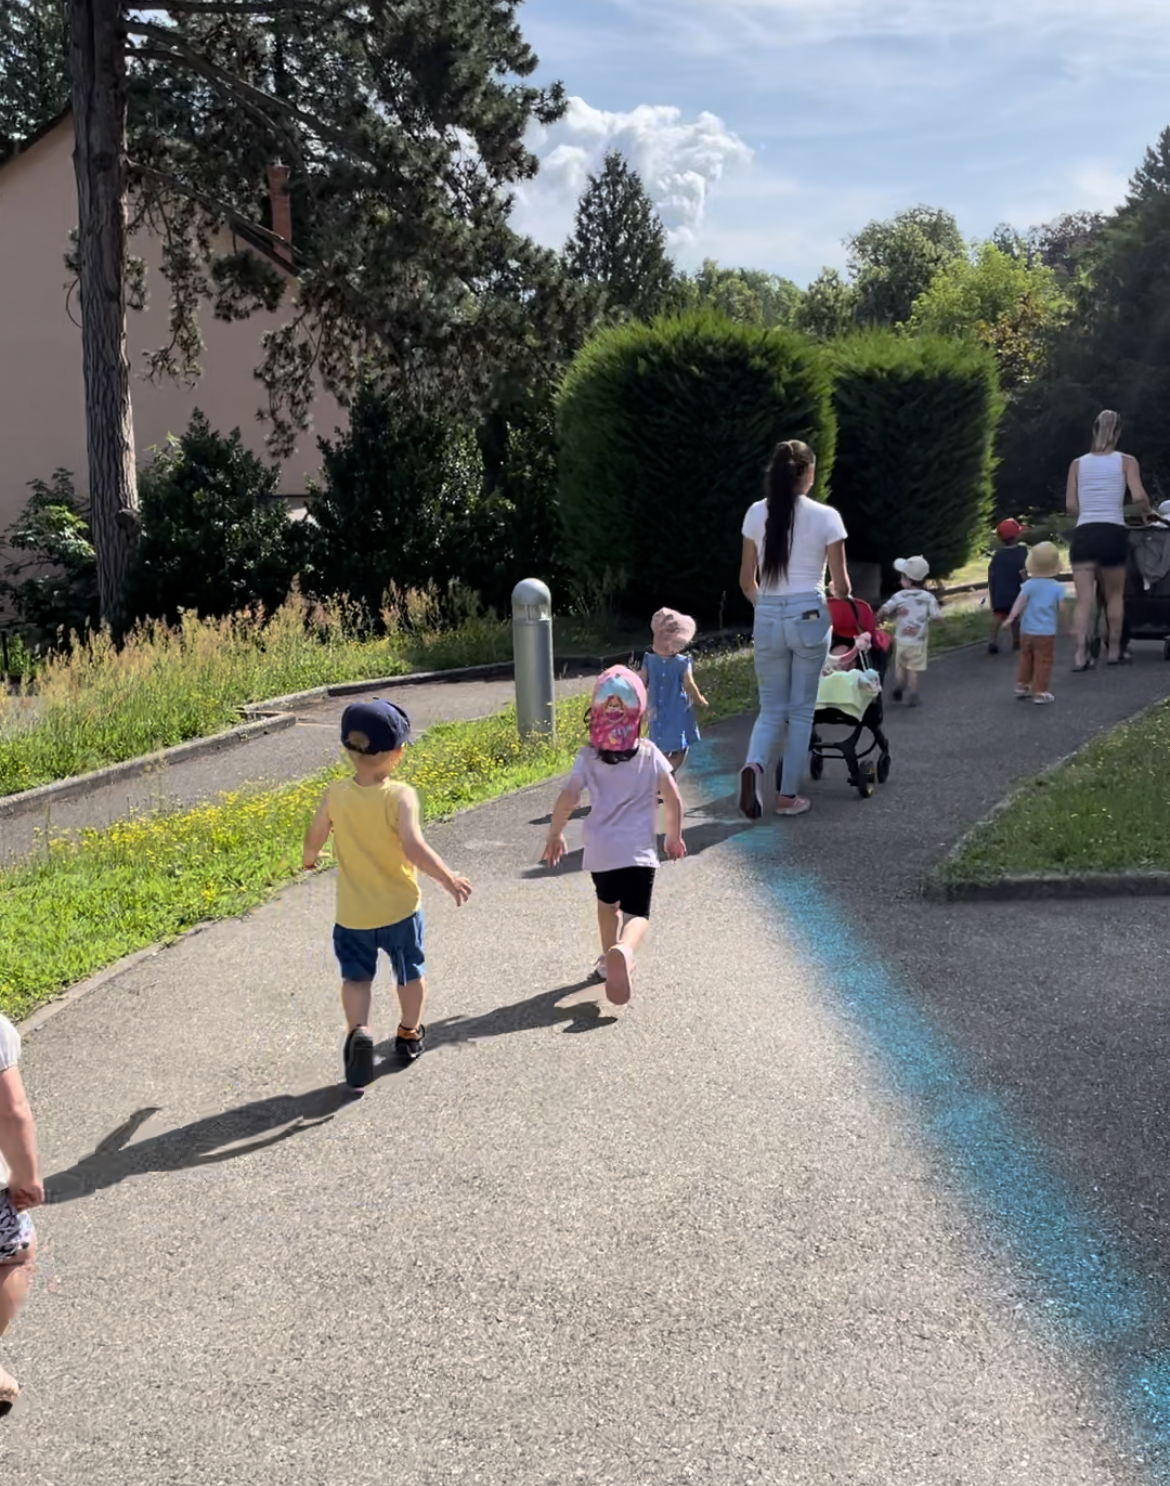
point(859, 1189)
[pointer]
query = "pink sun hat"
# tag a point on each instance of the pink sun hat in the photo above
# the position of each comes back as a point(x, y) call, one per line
point(672, 631)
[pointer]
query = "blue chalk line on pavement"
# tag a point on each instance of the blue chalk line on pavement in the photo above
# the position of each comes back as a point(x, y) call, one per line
point(1091, 1292)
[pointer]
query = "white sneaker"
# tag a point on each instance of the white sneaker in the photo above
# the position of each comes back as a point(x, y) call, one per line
point(1044, 698)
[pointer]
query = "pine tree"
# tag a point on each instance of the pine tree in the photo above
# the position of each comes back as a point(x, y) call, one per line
point(34, 63)
point(619, 242)
point(402, 128)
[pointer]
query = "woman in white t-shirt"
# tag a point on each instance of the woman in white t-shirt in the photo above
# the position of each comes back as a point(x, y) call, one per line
point(20, 1189)
point(1095, 495)
point(787, 539)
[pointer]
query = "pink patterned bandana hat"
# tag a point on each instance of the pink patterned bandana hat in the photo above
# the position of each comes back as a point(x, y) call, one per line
point(616, 710)
point(672, 631)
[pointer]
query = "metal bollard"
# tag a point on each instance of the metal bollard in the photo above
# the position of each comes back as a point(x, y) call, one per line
point(532, 649)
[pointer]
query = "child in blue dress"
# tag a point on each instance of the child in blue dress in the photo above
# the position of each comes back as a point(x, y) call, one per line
point(671, 694)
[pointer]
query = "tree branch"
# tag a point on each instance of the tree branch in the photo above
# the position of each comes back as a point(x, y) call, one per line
point(211, 205)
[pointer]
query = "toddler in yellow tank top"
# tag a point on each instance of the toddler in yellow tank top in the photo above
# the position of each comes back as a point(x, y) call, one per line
point(379, 848)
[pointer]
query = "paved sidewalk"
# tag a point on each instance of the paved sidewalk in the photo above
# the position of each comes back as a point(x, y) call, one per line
point(805, 1212)
point(267, 760)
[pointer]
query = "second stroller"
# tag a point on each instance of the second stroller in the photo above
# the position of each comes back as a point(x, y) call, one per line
point(857, 646)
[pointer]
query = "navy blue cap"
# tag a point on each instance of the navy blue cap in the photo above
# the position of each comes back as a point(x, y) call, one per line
point(374, 727)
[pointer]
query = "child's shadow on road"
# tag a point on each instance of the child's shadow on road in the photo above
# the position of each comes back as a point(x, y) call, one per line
point(219, 1137)
point(539, 1011)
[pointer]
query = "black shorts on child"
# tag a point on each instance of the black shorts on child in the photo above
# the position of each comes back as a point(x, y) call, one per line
point(628, 888)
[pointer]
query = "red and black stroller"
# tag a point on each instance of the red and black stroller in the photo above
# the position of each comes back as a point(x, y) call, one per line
point(851, 619)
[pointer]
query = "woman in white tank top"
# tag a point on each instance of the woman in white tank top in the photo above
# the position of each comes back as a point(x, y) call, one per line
point(1097, 485)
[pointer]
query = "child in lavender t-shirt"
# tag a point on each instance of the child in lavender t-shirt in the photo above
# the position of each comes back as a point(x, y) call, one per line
point(623, 775)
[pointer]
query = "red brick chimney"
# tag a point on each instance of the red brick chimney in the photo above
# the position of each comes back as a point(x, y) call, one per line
point(281, 210)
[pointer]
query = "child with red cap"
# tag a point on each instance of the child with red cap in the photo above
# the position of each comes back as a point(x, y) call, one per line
point(1005, 578)
point(623, 775)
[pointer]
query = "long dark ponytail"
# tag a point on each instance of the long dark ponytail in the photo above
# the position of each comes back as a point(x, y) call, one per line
point(789, 463)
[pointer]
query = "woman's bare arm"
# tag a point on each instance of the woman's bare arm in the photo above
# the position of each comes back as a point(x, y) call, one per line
point(838, 571)
point(1133, 479)
point(1072, 494)
point(749, 565)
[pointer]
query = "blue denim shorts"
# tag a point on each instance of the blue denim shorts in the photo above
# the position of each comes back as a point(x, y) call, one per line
point(402, 944)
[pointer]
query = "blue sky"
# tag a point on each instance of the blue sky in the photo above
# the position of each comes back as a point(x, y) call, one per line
point(768, 130)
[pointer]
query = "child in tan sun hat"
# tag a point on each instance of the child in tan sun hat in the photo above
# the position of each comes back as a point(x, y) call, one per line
point(912, 610)
point(1038, 611)
point(667, 673)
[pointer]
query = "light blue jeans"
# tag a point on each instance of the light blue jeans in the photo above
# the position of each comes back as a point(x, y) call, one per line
point(791, 643)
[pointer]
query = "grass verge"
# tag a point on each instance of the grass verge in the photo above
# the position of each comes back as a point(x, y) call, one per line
point(1106, 810)
point(87, 901)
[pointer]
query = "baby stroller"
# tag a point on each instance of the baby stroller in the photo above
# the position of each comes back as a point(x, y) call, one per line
point(851, 619)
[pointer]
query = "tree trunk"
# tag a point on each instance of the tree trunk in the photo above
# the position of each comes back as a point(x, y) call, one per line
point(98, 76)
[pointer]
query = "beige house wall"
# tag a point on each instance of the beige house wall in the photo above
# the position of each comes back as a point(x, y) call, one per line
point(42, 420)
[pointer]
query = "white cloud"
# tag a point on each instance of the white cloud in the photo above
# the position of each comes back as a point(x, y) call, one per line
point(679, 161)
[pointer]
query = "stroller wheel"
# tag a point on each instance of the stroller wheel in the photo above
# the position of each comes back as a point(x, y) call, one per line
point(816, 766)
point(883, 768)
point(866, 777)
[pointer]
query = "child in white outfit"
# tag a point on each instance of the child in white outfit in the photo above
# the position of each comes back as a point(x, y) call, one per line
point(913, 611)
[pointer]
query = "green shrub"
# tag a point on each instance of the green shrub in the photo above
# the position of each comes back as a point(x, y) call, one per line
point(664, 433)
point(51, 572)
point(216, 538)
point(397, 487)
point(916, 422)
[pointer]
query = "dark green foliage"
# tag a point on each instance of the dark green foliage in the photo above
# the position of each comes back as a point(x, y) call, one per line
point(514, 531)
point(1115, 353)
point(34, 80)
point(893, 262)
point(51, 573)
point(216, 537)
point(619, 243)
point(665, 431)
point(397, 489)
point(915, 424)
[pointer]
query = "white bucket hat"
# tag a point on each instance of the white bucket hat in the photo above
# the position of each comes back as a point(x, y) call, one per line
point(917, 569)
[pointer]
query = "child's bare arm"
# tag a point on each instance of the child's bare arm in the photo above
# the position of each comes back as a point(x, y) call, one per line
point(18, 1143)
point(675, 846)
point(317, 835)
point(1017, 609)
point(691, 687)
point(554, 848)
point(420, 855)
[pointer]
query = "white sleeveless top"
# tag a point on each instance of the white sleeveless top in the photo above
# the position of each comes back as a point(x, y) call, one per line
point(1101, 489)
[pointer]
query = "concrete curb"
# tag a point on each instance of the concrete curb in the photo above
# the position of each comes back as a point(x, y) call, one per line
point(81, 784)
point(938, 888)
point(1051, 886)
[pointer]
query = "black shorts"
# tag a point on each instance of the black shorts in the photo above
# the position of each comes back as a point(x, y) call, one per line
point(1099, 544)
point(629, 888)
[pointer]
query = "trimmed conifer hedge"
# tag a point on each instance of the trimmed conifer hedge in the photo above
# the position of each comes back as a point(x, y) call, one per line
point(664, 434)
point(916, 422)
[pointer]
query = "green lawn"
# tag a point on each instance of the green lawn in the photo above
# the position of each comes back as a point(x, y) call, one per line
point(1106, 810)
point(87, 901)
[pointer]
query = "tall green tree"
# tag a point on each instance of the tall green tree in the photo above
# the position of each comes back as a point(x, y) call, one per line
point(747, 295)
point(828, 308)
point(34, 68)
point(619, 243)
point(401, 127)
point(892, 263)
point(1005, 303)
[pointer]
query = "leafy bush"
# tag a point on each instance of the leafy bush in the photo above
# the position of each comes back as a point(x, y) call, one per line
point(665, 430)
point(397, 488)
point(916, 422)
point(51, 575)
point(215, 536)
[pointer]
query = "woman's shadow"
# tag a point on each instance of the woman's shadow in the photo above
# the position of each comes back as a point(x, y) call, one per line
point(220, 1137)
